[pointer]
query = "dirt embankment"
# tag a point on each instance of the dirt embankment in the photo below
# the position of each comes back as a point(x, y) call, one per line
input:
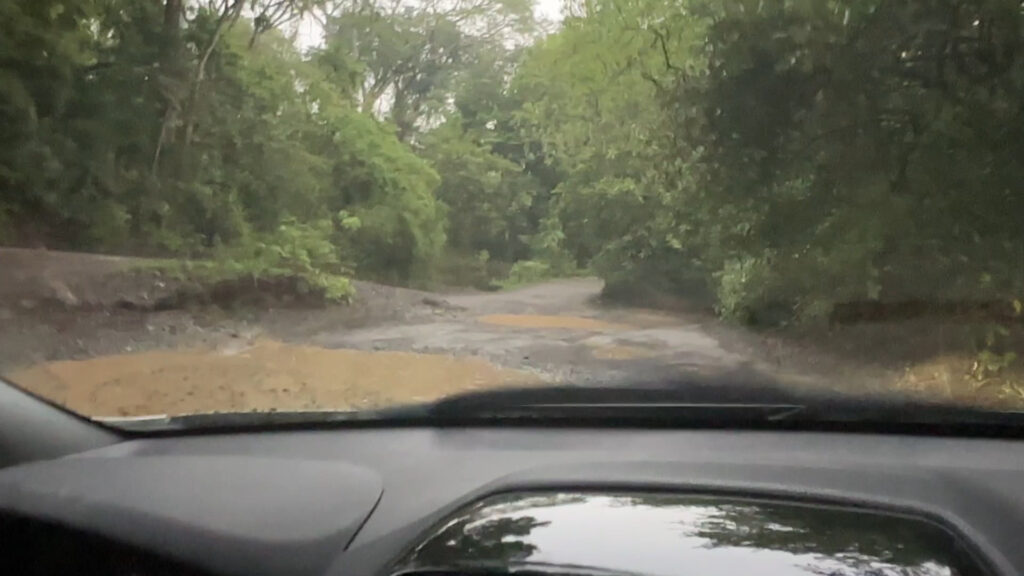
point(61, 306)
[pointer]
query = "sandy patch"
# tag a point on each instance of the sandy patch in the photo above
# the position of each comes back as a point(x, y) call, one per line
point(543, 321)
point(269, 375)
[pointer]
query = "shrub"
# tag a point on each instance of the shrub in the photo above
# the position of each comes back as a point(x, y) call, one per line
point(461, 269)
point(526, 272)
point(294, 249)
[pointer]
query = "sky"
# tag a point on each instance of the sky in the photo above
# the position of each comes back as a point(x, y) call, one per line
point(548, 9)
point(310, 33)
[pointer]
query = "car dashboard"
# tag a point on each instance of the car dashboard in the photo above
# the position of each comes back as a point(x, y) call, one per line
point(523, 500)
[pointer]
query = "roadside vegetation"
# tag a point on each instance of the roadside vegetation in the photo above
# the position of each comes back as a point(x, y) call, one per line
point(797, 164)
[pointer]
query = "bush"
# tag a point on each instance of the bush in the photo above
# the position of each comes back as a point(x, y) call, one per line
point(295, 250)
point(526, 272)
point(476, 270)
point(741, 288)
point(664, 277)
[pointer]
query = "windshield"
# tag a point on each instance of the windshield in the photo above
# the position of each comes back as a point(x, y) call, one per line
point(347, 205)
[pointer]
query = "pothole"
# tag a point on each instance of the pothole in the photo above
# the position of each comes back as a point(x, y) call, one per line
point(268, 376)
point(548, 321)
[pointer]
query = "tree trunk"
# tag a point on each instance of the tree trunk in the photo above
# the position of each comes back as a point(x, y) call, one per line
point(172, 18)
point(168, 76)
point(226, 20)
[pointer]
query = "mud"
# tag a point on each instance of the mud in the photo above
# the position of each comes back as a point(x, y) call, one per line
point(558, 331)
point(266, 376)
point(542, 321)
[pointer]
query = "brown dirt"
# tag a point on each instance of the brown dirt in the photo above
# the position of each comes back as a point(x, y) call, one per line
point(542, 321)
point(31, 277)
point(267, 376)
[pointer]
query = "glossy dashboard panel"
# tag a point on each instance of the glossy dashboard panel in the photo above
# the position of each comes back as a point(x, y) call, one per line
point(350, 502)
point(648, 533)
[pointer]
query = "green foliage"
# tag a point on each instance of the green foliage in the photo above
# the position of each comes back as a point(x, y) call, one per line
point(389, 191)
point(771, 158)
point(526, 272)
point(741, 284)
point(836, 164)
point(786, 155)
point(215, 138)
point(487, 196)
point(302, 250)
point(475, 270)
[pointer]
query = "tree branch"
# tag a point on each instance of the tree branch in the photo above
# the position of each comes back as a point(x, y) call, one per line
point(227, 19)
point(660, 39)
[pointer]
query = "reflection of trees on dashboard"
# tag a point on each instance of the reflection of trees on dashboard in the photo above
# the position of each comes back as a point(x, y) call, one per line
point(825, 541)
point(496, 530)
point(875, 570)
point(468, 540)
point(844, 542)
point(841, 542)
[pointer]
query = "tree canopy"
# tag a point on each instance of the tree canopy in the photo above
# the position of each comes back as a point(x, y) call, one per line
point(775, 157)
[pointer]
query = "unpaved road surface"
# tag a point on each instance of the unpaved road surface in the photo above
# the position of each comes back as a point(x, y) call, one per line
point(556, 331)
point(391, 346)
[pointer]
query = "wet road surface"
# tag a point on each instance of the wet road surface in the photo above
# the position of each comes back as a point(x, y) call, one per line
point(550, 333)
point(557, 331)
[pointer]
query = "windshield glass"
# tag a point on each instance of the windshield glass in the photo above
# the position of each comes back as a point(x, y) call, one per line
point(345, 205)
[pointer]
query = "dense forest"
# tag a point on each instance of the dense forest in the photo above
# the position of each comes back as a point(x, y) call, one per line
point(774, 157)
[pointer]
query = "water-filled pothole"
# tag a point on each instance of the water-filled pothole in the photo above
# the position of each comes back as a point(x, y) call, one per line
point(547, 321)
point(268, 375)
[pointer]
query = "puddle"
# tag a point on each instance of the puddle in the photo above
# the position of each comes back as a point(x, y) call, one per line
point(542, 321)
point(268, 375)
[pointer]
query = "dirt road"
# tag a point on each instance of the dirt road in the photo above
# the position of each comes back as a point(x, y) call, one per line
point(392, 346)
point(65, 334)
point(557, 331)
